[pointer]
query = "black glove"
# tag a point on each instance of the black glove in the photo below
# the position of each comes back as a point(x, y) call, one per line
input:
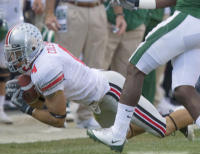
point(18, 100)
point(11, 87)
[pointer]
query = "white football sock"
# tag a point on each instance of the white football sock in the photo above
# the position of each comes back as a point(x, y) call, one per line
point(122, 120)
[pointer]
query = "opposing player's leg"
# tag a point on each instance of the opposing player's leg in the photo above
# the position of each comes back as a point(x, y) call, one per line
point(184, 77)
point(180, 119)
point(145, 118)
point(159, 47)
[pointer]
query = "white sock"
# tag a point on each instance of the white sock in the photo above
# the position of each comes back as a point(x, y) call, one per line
point(122, 120)
point(2, 99)
point(198, 122)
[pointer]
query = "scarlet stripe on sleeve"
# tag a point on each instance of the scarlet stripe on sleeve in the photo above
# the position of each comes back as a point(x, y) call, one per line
point(59, 78)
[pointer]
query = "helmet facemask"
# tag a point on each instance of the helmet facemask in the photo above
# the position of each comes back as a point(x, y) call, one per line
point(16, 58)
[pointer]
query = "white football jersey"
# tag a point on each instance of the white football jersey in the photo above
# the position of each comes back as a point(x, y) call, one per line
point(57, 69)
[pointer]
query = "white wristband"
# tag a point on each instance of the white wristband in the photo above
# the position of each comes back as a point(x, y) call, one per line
point(147, 4)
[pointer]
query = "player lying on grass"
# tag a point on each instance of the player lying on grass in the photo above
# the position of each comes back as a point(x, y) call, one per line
point(58, 75)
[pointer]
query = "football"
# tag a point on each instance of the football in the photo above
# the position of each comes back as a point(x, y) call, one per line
point(30, 94)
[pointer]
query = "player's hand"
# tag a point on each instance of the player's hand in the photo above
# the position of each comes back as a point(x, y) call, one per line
point(51, 22)
point(18, 100)
point(11, 87)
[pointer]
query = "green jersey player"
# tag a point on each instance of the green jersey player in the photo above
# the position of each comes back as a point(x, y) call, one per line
point(176, 39)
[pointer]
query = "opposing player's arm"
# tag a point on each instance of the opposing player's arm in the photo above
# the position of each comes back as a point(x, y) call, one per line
point(165, 3)
point(145, 4)
point(56, 110)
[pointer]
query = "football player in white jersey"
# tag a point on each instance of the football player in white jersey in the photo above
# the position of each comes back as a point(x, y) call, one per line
point(58, 75)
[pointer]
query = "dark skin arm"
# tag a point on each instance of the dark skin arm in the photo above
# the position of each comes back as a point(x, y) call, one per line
point(56, 103)
point(134, 80)
point(165, 3)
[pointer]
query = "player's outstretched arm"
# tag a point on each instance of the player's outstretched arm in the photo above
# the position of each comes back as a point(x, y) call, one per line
point(55, 113)
point(165, 3)
point(145, 4)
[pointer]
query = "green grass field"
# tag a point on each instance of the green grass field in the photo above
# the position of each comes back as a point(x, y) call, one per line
point(143, 144)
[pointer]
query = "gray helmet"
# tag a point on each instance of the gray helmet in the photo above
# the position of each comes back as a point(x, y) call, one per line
point(22, 45)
